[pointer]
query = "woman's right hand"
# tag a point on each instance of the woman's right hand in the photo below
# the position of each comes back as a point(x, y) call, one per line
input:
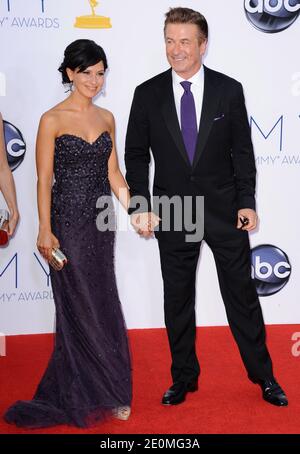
point(46, 241)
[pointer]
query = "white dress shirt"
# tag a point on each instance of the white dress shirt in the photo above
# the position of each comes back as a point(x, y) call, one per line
point(197, 89)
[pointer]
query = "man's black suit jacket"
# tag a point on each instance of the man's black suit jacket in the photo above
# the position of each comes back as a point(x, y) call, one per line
point(223, 170)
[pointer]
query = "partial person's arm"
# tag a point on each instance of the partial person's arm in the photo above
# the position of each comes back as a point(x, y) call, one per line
point(7, 185)
point(45, 146)
point(243, 161)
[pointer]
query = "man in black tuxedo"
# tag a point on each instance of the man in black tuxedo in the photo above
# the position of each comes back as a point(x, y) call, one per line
point(195, 122)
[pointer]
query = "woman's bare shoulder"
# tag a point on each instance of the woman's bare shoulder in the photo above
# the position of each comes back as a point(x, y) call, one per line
point(106, 116)
point(52, 117)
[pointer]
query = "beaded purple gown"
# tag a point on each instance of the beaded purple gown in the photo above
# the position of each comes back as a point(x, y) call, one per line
point(89, 372)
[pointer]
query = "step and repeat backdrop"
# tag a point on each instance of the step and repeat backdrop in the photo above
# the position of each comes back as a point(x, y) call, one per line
point(254, 41)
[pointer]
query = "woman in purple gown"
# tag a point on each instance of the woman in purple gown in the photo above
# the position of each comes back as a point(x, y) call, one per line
point(89, 374)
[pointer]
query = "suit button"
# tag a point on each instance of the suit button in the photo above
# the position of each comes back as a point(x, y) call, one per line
point(193, 178)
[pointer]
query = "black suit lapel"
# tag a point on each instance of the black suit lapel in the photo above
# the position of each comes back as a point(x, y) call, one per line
point(170, 115)
point(211, 99)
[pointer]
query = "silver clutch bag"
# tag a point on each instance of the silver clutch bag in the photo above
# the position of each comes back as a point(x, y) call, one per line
point(58, 259)
point(4, 217)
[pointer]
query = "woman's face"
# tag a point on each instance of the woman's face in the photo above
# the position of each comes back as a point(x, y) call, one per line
point(88, 82)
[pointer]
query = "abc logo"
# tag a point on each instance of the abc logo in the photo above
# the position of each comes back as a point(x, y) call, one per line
point(272, 16)
point(271, 269)
point(15, 145)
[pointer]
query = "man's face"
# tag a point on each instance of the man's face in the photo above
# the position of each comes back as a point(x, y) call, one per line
point(184, 48)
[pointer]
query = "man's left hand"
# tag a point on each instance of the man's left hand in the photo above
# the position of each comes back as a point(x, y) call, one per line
point(250, 215)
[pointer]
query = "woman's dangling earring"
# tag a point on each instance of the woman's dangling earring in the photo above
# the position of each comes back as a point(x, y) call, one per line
point(69, 86)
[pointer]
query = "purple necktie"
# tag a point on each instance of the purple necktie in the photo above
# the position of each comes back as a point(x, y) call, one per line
point(188, 116)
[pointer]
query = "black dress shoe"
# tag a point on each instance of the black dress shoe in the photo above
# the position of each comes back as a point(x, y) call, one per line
point(272, 392)
point(176, 394)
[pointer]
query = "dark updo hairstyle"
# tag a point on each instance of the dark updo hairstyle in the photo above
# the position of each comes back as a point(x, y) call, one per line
point(81, 54)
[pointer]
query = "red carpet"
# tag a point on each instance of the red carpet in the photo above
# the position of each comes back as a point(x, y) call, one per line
point(226, 402)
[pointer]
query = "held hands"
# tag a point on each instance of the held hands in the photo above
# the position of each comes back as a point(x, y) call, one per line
point(250, 219)
point(46, 241)
point(144, 223)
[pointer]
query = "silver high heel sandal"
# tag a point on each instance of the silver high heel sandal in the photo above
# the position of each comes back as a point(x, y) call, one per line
point(122, 413)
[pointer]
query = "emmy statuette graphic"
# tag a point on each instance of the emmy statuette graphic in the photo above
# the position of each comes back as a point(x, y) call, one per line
point(92, 20)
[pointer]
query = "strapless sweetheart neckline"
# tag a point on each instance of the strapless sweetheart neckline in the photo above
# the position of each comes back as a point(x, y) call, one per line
point(81, 138)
